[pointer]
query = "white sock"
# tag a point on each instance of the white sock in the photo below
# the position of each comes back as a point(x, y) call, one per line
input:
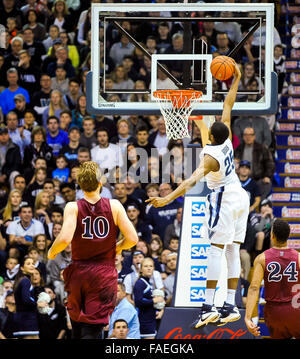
point(209, 296)
point(230, 296)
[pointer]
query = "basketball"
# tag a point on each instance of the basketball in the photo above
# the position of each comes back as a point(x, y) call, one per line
point(222, 67)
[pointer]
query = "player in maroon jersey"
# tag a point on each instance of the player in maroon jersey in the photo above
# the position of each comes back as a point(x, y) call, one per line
point(279, 267)
point(91, 225)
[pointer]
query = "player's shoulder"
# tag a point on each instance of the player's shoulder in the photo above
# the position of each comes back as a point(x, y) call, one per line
point(115, 205)
point(71, 206)
point(260, 259)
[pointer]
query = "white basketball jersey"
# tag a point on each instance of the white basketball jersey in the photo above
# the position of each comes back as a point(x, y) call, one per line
point(224, 155)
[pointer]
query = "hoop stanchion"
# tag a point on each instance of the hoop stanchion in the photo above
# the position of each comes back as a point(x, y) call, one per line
point(176, 107)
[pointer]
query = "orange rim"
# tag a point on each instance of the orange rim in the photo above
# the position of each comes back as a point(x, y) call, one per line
point(165, 94)
point(177, 96)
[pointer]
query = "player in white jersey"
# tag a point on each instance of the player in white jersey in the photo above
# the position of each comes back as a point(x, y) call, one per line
point(227, 212)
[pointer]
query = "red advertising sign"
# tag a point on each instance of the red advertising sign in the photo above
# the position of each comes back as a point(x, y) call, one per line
point(219, 333)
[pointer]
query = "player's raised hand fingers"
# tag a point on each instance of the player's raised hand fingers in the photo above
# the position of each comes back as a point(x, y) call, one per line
point(151, 200)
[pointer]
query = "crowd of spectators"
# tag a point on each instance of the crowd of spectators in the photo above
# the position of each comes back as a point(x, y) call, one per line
point(46, 132)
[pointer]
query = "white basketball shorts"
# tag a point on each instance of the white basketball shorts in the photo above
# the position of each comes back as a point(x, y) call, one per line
point(227, 212)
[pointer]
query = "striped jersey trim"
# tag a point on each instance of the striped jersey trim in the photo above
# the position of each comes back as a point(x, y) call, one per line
point(214, 213)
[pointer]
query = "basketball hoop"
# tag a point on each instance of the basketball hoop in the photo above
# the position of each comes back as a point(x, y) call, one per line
point(176, 107)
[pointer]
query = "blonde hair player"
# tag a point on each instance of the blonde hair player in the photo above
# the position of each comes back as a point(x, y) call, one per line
point(91, 225)
point(227, 210)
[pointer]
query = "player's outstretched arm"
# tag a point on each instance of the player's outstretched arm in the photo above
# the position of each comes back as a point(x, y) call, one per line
point(125, 225)
point(253, 293)
point(67, 231)
point(207, 165)
point(230, 99)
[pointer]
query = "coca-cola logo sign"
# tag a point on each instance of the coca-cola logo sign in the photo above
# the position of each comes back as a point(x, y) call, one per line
point(219, 333)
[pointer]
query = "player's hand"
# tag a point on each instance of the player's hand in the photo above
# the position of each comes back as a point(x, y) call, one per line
point(51, 255)
point(253, 328)
point(158, 201)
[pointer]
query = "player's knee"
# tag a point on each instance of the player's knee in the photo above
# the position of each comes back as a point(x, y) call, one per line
point(232, 254)
point(214, 263)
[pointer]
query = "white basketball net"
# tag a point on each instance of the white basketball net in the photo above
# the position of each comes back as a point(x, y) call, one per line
point(176, 110)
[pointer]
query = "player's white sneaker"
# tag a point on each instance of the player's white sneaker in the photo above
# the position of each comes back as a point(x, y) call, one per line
point(228, 313)
point(208, 314)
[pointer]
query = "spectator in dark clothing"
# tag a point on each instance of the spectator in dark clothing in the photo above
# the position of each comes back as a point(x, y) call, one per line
point(61, 59)
point(249, 185)
point(71, 150)
point(253, 191)
point(38, 148)
point(144, 301)
point(133, 190)
point(10, 158)
point(20, 184)
point(57, 43)
point(28, 121)
point(122, 271)
point(210, 32)
point(262, 130)
point(21, 108)
point(163, 40)
point(176, 66)
point(279, 65)
point(142, 135)
point(123, 132)
point(108, 124)
point(35, 48)
point(143, 230)
point(159, 218)
point(247, 249)
point(54, 324)
point(73, 94)
point(88, 138)
point(173, 229)
point(36, 184)
point(12, 59)
point(40, 266)
point(262, 223)
point(121, 194)
point(29, 74)
point(41, 99)
point(61, 14)
point(155, 250)
point(223, 43)
point(9, 8)
point(35, 23)
point(26, 307)
point(37, 282)
point(262, 163)
point(7, 317)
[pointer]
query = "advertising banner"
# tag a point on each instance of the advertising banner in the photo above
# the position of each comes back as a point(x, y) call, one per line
point(190, 282)
point(176, 325)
